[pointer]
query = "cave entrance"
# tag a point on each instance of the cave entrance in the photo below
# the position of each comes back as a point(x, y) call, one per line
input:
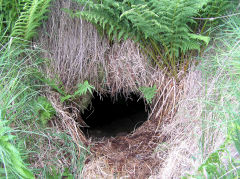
point(108, 117)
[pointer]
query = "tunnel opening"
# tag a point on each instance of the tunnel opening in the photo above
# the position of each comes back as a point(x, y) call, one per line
point(111, 117)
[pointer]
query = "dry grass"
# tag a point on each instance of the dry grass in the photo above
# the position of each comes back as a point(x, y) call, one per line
point(75, 48)
point(189, 128)
point(163, 147)
point(77, 53)
point(50, 149)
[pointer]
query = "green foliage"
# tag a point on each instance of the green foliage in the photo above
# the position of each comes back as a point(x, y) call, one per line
point(161, 27)
point(148, 93)
point(83, 88)
point(56, 85)
point(232, 32)
point(9, 12)
point(56, 142)
point(213, 9)
point(214, 167)
point(55, 175)
point(212, 164)
point(15, 95)
point(236, 134)
point(44, 109)
point(223, 104)
point(10, 157)
point(21, 18)
point(30, 18)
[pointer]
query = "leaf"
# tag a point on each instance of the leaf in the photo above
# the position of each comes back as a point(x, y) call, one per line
point(84, 88)
point(163, 22)
point(44, 109)
point(64, 98)
point(148, 92)
point(205, 39)
point(11, 152)
point(29, 19)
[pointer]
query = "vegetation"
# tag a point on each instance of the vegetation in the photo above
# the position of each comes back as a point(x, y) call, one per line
point(169, 32)
point(83, 88)
point(20, 19)
point(223, 104)
point(44, 109)
point(10, 156)
point(15, 95)
point(165, 29)
point(148, 93)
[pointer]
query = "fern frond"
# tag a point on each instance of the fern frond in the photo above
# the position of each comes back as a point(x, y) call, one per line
point(148, 92)
point(9, 12)
point(34, 11)
point(83, 88)
point(158, 24)
point(214, 8)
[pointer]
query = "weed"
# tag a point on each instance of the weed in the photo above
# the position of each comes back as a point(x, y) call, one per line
point(44, 109)
point(83, 88)
point(161, 27)
point(148, 93)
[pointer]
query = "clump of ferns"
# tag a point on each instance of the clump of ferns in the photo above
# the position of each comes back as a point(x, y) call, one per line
point(20, 19)
point(162, 28)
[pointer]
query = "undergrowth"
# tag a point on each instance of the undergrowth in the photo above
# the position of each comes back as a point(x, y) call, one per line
point(24, 116)
point(21, 101)
point(15, 96)
point(166, 29)
point(224, 105)
point(21, 18)
point(148, 93)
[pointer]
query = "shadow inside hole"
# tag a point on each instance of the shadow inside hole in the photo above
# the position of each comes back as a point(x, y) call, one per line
point(108, 118)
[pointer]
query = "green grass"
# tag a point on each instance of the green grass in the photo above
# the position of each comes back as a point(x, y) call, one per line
point(51, 152)
point(29, 148)
point(24, 113)
point(15, 94)
point(223, 103)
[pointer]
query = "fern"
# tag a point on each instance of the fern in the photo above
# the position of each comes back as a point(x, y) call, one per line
point(148, 93)
point(214, 8)
point(9, 12)
point(166, 22)
point(161, 27)
point(30, 18)
point(106, 16)
point(83, 88)
point(44, 109)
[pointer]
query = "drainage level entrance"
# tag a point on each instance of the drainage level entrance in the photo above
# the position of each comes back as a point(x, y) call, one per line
point(108, 118)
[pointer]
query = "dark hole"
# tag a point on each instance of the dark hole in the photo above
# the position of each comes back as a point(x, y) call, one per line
point(108, 118)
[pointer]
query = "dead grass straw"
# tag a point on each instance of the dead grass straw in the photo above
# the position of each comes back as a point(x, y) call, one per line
point(186, 149)
point(78, 53)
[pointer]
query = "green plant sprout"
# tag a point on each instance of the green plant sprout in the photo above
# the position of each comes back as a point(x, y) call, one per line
point(44, 109)
point(83, 88)
point(148, 93)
